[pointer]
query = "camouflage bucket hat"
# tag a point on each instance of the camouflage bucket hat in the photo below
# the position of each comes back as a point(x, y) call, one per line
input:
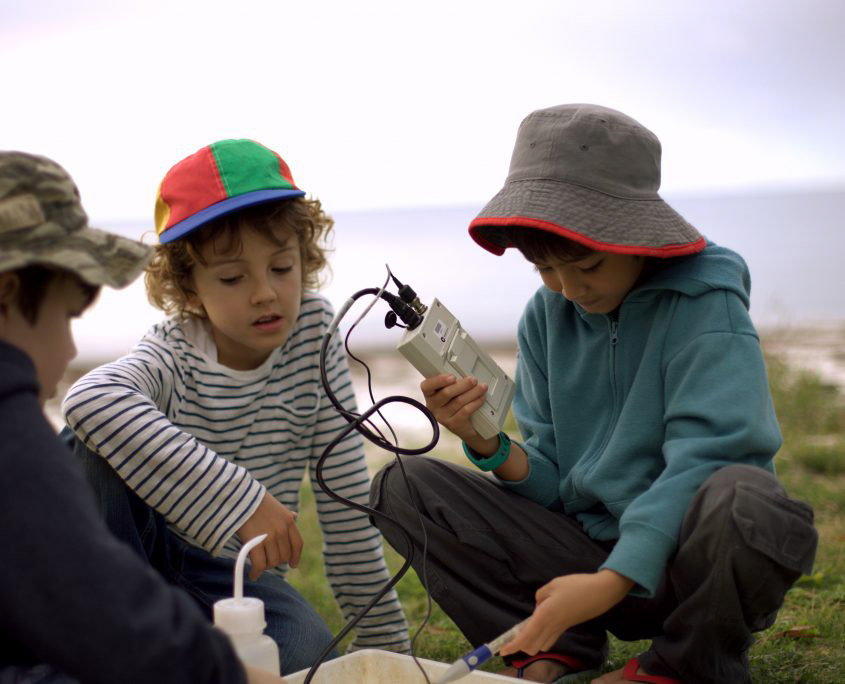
point(42, 222)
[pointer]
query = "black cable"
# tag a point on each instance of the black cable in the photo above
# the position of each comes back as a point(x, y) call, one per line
point(407, 294)
point(357, 422)
point(424, 577)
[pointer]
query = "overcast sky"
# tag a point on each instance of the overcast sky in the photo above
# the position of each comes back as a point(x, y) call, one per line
point(390, 104)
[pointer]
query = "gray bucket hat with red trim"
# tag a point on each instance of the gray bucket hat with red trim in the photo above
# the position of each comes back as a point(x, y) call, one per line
point(590, 174)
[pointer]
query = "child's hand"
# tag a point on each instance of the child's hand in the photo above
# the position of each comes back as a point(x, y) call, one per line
point(256, 676)
point(453, 401)
point(567, 601)
point(283, 543)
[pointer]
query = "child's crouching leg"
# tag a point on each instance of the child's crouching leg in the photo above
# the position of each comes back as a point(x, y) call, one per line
point(488, 548)
point(291, 621)
point(461, 573)
point(743, 543)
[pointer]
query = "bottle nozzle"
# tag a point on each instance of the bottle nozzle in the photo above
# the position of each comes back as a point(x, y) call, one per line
point(239, 564)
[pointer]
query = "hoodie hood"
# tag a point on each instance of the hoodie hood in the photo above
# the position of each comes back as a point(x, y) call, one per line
point(715, 268)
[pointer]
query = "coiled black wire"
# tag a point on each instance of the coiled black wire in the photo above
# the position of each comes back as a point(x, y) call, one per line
point(358, 422)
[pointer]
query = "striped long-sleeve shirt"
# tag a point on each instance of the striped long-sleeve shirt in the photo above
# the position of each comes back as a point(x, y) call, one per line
point(201, 443)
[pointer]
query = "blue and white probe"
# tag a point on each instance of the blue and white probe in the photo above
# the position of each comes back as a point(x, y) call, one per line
point(463, 666)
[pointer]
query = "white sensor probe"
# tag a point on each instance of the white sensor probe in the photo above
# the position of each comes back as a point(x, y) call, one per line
point(440, 345)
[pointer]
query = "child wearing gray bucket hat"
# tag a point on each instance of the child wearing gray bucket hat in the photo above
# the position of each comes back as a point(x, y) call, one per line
point(641, 499)
point(75, 603)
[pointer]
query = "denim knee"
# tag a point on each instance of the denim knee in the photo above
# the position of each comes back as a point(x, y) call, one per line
point(293, 623)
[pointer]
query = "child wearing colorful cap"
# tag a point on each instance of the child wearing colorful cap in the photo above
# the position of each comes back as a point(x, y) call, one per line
point(641, 499)
point(75, 603)
point(208, 426)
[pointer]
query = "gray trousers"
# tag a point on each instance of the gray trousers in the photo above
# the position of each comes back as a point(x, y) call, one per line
point(742, 545)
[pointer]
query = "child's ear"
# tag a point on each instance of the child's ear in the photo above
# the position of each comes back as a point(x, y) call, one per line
point(10, 285)
point(192, 299)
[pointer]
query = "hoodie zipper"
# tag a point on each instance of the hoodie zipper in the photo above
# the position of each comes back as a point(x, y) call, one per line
point(613, 338)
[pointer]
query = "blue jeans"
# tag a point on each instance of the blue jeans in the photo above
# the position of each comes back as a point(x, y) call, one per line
point(299, 631)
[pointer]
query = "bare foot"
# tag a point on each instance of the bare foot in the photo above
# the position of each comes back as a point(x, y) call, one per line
point(539, 671)
point(608, 677)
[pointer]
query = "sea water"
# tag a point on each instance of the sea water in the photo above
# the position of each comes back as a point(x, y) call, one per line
point(793, 242)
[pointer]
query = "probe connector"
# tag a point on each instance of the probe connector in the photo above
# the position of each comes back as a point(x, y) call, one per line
point(406, 311)
point(407, 294)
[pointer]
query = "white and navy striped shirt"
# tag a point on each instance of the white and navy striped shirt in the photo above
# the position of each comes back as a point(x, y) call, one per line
point(201, 443)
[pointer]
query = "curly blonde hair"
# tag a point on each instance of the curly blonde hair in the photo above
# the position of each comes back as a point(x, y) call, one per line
point(168, 275)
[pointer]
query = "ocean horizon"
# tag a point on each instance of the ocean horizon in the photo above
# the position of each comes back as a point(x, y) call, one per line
point(793, 241)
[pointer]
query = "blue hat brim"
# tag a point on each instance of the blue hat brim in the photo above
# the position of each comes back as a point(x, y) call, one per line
point(226, 206)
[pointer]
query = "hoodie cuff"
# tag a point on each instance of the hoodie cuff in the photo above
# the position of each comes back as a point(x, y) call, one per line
point(541, 485)
point(641, 555)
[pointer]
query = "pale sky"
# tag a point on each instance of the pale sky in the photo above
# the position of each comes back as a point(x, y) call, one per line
point(387, 104)
point(384, 104)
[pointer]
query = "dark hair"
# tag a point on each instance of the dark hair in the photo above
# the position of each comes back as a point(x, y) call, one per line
point(540, 245)
point(168, 275)
point(34, 282)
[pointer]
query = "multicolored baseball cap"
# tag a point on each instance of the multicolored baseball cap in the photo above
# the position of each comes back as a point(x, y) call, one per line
point(216, 180)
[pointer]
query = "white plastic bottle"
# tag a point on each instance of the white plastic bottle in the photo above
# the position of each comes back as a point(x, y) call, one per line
point(242, 619)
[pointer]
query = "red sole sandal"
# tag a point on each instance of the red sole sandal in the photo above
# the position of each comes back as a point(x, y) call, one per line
point(573, 665)
point(629, 674)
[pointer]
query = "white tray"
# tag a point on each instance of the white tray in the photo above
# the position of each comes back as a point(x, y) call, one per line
point(371, 666)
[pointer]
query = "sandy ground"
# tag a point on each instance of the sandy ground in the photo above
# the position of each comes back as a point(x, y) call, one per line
point(820, 349)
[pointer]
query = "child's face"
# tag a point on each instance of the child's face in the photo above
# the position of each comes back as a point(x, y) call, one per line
point(251, 296)
point(49, 341)
point(598, 282)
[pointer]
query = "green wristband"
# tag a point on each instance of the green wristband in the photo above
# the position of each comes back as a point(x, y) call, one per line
point(494, 461)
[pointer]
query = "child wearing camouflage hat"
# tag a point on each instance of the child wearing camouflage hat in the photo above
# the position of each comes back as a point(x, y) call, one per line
point(208, 426)
point(75, 603)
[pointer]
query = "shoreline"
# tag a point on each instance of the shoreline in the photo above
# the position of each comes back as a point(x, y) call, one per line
point(819, 349)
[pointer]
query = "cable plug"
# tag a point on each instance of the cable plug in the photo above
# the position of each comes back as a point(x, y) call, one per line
point(406, 312)
point(407, 294)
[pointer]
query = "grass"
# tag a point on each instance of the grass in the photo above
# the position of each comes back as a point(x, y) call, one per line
point(806, 642)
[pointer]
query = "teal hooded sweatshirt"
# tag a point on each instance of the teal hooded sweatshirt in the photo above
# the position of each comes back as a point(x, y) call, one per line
point(624, 416)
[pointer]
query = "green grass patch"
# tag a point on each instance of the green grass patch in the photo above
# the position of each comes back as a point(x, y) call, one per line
point(821, 459)
point(806, 642)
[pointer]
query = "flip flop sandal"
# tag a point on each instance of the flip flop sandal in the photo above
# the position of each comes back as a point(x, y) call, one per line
point(629, 674)
point(574, 667)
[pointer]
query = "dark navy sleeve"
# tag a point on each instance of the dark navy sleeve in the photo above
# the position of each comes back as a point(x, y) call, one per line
point(73, 596)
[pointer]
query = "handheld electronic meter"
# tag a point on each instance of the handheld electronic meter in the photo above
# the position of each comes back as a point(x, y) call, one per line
point(440, 345)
